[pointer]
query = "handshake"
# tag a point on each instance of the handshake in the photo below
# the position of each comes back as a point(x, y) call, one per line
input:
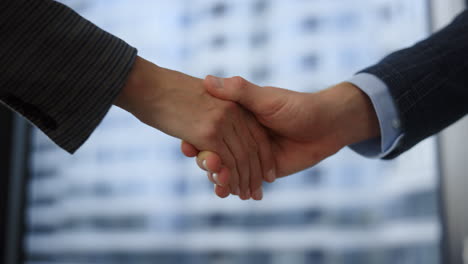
point(243, 134)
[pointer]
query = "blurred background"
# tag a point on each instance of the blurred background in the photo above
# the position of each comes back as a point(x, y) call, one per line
point(129, 196)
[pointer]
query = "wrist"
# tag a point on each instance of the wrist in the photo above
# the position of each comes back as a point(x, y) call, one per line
point(133, 82)
point(140, 84)
point(354, 117)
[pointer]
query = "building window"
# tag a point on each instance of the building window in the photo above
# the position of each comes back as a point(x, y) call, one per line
point(311, 24)
point(218, 41)
point(347, 20)
point(356, 257)
point(43, 201)
point(260, 74)
point(259, 38)
point(260, 6)
point(43, 173)
point(385, 12)
point(186, 20)
point(315, 256)
point(313, 176)
point(310, 62)
point(219, 9)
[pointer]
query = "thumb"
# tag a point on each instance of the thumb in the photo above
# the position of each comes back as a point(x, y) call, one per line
point(255, 98)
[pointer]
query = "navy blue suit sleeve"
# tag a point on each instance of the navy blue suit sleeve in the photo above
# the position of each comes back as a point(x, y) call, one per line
point(428, 83)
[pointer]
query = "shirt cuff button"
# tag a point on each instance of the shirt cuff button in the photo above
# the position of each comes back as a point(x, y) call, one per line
point(396, 123)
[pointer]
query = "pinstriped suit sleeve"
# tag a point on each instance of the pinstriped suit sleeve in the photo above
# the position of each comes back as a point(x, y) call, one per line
point(428, 83)
point(59, 70)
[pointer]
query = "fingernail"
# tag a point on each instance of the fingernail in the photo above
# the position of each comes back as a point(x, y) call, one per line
point(258, 194)
point(237, 191)
point(271, 176)
point(218, 82)
point(209, 175)
point(204, 165)
point(215, 177)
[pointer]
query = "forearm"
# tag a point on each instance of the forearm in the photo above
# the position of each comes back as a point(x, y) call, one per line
point(156, 96)
point(139, 84)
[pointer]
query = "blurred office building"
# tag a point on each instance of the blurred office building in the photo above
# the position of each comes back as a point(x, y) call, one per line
point(129, 195)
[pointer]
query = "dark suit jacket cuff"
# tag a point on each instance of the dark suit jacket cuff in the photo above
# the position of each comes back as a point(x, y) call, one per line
point(61, 71)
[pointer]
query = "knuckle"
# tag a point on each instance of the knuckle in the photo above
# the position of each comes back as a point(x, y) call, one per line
point(239, 81)
point(229, 107)
point(218, 119)
point(209, 133)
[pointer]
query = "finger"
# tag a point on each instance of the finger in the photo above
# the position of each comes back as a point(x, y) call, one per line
point(257, 176)
point(188, 149)
point(210, 177)
point(219, 190)
point(257, 195)
point(229, 175)
point(256, 173)
point(209, 161)
point(241, 169)
point(246, 155)
point(222, 192)
point(265, 150)
point(220, 178)
point(253, 97)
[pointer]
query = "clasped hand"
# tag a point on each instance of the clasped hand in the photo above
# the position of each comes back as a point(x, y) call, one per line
point(244, 134)
point(298, 133)
point(302, 128)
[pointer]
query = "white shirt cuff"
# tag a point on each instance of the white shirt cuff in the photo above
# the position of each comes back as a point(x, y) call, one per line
point(387, 114)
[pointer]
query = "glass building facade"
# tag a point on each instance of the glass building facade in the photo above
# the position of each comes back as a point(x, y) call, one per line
point(129, 195)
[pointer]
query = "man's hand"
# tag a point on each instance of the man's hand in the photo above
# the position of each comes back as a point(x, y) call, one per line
point(304, 128)
point(179, 105)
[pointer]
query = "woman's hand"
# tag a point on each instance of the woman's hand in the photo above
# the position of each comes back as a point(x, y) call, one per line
point(179, 105)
